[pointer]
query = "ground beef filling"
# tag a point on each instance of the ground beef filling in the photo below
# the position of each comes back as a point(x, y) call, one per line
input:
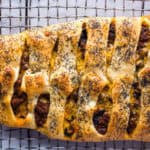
point(112, 34)
point(19, 98)
point(69, 131)
point(70, 114)
point(134, 117)
point(82, 41)
point(18, 103)
point(110, 43)
point(42, 109)
point(55, 49)
point(141, 51)
point(101, 119)
point(134, 107)
point(101, 116)
point(145, 79)
point(25, 60)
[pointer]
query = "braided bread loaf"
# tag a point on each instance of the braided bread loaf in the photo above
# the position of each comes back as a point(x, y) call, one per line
point(87, 80)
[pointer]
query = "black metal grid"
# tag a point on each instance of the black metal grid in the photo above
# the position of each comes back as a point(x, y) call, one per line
point(18, 15)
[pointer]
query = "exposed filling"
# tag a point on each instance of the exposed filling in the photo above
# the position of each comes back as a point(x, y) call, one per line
point(82, 41)
point(134, 107)
point(111, 40)
point(70, 114)
point(54, 54)
point(145, 79)
point(142, 52)
point(82, 48)
point(101, 120)
point(102, 114)
point(112, 33)
point(55, 49)
point(19, 98)
point(19, 104)
point(42, 109)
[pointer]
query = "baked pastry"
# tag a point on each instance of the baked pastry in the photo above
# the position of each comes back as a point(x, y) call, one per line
point(87, 80)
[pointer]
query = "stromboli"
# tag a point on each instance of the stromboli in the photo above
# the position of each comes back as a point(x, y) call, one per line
point(87, 80)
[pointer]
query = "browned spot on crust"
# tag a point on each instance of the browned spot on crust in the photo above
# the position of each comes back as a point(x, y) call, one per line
point(47, 33)
point(62, 82)
point(94, 24)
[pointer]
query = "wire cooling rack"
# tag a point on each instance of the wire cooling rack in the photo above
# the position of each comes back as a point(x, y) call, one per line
point(18, 15)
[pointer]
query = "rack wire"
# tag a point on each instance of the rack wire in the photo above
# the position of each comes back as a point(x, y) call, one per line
point(18, 15)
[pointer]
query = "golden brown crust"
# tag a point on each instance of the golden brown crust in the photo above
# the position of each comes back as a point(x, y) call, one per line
point(78, 85)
